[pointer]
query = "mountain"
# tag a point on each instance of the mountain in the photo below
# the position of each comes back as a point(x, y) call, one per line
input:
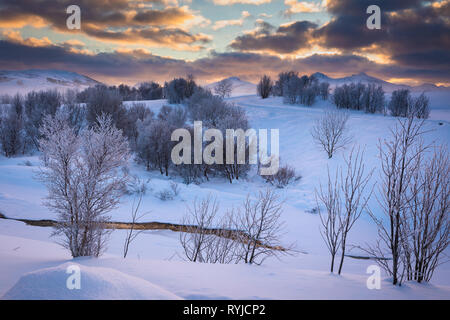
point(24, 81)
point(366, 79)
point(239, 87)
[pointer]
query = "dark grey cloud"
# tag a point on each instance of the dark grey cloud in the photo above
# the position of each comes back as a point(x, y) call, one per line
point(409, 28)
point(414, 34)
point(131, 67)
point(285, 39)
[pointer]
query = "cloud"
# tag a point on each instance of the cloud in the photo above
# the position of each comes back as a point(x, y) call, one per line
point(232, 2)
point(236, 22)
point(412, 32)
point(295, 6)
point(286, 39)
point(155, 23)
point(132, 66)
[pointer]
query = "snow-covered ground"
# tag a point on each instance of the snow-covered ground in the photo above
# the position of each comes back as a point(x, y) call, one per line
point(24, 81)
point(33, 266)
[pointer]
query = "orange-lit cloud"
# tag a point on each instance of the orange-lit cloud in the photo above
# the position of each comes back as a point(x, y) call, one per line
point(118, 21)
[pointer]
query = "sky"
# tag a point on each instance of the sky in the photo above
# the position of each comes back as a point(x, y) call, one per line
point(130, 41)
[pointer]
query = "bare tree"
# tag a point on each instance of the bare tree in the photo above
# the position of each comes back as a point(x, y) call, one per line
point(82, 179)
point(353, 183)
point(331, 230)
point(195, 238)
point(222, 245)
point(344, 201)
point(135, 217)
point(259, 221)
point(284, 176)
point(223, 88)
point(329, 131)
point(399, 163)
point(425, 223)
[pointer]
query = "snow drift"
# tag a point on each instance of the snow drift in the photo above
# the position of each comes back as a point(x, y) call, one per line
point(96, 283)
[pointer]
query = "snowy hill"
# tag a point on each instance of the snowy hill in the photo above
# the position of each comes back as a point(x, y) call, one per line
point(239, 87)
point(32, 265)
point(24, 81)
point(366, 79)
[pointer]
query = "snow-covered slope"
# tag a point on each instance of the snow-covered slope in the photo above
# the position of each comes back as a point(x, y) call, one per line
point(387, 86)
point(98, 283)
point(156, 256)
point(24, 81)
point(239, 87)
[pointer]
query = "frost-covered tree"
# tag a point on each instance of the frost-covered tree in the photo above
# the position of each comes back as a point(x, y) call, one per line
point(84, 179)
point(330, 131)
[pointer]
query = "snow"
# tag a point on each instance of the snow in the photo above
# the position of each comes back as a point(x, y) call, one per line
point(32, 265)
point(131, 278)
point(387, 86)
point(24, 81)
point(95, 283)
point(239, 87)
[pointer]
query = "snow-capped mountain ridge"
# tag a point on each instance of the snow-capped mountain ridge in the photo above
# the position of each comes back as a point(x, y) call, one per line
point(23, 81)
point(239, 87)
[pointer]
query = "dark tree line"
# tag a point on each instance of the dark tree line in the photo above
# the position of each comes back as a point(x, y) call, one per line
point(371, 99)
point(145, 91)
point(293, 88)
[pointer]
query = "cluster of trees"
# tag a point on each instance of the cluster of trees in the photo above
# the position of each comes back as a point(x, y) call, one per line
point(154, 144)
point(358, 96)
point(402, 104)
point(145, 91)
point(413, 195)
point(370, 98)
point(293, 88)
point(180, 89)
point(20, 120)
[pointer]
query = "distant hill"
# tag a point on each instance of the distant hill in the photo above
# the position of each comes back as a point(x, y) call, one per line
point(366, 79)
point(239, 87)
point(24, 81)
